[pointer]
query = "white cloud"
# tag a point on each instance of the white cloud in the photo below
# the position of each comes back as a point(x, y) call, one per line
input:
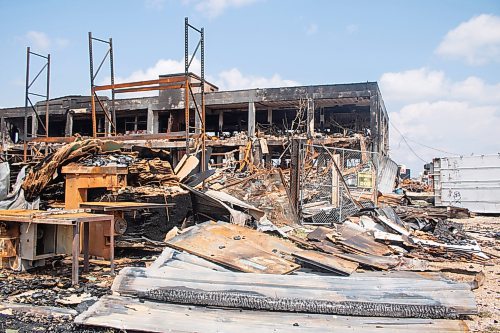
point(430, 109)
point(214, 8)
point(162, 66)
point(312, 29)
point(424, 84)
point(476, 40)
point(414, 84)
point(231, 79)
point(454, 127)
point(40, 40)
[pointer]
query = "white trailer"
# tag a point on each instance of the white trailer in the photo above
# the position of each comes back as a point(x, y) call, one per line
point(471, 182)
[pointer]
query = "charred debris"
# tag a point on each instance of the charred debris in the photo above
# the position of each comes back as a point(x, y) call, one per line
point(262, 210)
point(246, 235)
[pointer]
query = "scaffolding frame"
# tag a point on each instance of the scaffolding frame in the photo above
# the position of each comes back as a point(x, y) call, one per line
point(162, 83)
point(110, 115)
point(199, 124)
point(27, 100)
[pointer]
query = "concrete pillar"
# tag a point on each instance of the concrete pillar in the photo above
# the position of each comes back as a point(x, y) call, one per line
point(251, 119)
point(156, 122)
point(68, 130)
point(310, 118)
point(322, 119)
point(221, 121)
point(374, 111)
point(34, 125)
point(270, 116)
point(150, 120)
point(3, 129)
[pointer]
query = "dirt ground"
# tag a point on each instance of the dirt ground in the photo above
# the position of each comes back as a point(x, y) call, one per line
point(486, 230)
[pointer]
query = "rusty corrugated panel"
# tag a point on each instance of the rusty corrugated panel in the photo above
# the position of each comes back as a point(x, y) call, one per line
point(234, 246)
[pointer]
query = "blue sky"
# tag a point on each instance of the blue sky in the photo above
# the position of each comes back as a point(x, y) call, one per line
point(437, 62)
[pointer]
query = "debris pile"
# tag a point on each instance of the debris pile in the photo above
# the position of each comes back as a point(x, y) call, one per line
point(412, 185)
point(236, 237)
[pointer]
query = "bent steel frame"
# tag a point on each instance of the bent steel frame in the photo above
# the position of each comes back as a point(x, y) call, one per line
point(27, 100)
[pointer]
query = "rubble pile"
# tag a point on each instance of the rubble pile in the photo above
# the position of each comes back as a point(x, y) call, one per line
point(232, 238)
point(267, 192)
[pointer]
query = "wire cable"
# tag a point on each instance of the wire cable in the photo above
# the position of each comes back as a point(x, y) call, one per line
point(407, 144)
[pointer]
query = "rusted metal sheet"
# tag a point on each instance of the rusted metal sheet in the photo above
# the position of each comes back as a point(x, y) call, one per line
point(327, 262)
point(232, 246)
point(355, 238)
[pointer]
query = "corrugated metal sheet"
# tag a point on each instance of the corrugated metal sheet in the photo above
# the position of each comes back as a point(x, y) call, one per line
point(387, 171)
point(471, 182)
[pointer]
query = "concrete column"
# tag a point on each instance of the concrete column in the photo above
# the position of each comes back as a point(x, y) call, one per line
point(156, 122)
point(150, 120)
point(310, 118)
point(34, 125)
point(221, 121)
point(374, 111)
point(3, 129)
point(322, 119)
point(270, 116)
point(251, 119)
point(68, 130)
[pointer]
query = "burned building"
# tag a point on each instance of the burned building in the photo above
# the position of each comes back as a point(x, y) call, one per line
point(346, 115)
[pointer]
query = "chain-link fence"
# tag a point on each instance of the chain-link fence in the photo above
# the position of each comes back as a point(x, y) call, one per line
point(335, 183)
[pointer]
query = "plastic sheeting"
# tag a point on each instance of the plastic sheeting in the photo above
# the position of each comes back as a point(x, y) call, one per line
point(4, 180)
point(16, 199)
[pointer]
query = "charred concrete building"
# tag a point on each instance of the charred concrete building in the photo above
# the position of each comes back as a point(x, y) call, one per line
point(348, 115)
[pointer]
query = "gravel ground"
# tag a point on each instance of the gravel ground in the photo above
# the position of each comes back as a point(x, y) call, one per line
point(484, 229)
